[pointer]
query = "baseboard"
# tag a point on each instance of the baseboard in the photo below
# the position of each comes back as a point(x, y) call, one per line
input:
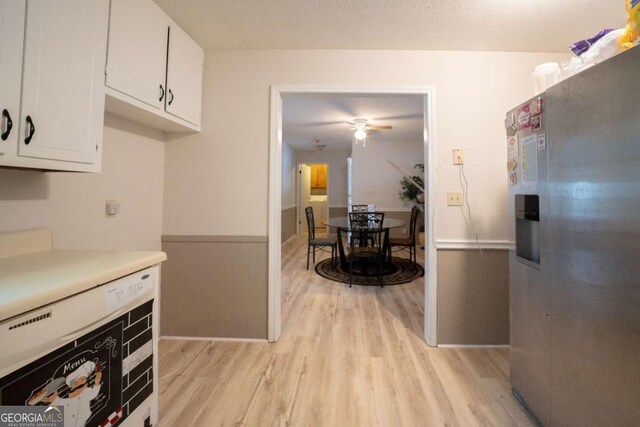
point(248, 340)
point(288, 240)
point(474, 346)
point(444, 244)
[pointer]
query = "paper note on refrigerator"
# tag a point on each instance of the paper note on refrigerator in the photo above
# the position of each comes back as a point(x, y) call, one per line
point(529, 161)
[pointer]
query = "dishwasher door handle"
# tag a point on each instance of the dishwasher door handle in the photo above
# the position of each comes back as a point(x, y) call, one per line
point(72, 336)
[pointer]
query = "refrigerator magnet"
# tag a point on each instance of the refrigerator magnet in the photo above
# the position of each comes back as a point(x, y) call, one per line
point(542, 142)
point(510, 124)
point(513, 178)
point(523, 117)
point(535, 106)
point(510, 120)
point(536, 123)
point(512, 147)
point(511, 165)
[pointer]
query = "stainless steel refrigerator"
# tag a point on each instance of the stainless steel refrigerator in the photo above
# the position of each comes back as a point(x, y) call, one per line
point(574, 258)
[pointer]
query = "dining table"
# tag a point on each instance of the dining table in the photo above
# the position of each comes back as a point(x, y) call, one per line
point(343, 225)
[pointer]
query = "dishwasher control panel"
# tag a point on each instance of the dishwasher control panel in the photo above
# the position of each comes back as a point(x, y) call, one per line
point(128, 289)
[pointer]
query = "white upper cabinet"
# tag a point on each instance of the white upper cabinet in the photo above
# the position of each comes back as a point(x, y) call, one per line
point(154, 70)
point(184, 76)
point(11, 42)
point(62, 95)
point(60, 123)
point(137, 58)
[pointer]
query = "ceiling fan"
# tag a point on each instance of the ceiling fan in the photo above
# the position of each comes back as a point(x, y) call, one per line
point(361, 127)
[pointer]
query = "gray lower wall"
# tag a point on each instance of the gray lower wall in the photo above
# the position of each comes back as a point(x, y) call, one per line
point(214, 286)
point(335, 212)
point(471, 309)
point(288, 219)
point(217, 286)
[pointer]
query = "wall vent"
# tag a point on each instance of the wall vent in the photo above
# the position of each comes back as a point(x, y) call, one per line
point(31, 320)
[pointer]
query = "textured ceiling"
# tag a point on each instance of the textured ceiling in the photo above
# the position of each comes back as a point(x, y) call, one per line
point(325, 117)
point(496, 25)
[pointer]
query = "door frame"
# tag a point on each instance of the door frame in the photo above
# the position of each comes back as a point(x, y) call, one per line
point(275, 196)
point(298, 201)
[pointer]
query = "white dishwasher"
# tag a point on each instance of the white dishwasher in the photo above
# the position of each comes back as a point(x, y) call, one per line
point(94, 353)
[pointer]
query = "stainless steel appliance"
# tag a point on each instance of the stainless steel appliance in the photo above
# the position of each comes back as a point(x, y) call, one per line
point(574, 209)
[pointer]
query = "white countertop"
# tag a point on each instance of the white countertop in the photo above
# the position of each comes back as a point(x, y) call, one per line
point(32, 280)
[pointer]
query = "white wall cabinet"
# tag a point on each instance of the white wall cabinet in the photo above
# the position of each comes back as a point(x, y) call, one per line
point(154, 69)
point(184, 76)
point(57, 49)
point(137, 56)
point(11, 43)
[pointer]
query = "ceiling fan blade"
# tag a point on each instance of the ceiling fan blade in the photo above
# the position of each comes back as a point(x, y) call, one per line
point(373, 127)
point(322, 123)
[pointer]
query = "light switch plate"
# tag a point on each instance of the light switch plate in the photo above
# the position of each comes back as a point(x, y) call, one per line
point(112, 208)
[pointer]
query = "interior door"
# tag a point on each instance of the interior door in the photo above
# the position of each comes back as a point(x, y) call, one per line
point(137, 59)
point(12, 14)
point(63, 88)
point(304, 194)
point(184, 76)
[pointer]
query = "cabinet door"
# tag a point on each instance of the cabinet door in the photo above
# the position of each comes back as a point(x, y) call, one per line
point(63, 91)
point(184, 76)
point(137, 53)
point(12, 14)
point(322, 176)
point(314, 176)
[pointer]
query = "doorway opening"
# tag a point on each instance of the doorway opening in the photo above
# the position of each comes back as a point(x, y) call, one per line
point(313, 191)
point(427, 135)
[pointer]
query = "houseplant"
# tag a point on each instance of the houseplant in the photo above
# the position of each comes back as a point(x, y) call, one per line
point(411, 194)
point(409, 191)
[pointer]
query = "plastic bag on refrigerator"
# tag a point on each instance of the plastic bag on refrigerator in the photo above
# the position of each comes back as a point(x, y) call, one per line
point(631, 35)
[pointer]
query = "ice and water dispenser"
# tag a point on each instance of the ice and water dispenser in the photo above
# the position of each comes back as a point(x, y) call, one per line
point(527, 229)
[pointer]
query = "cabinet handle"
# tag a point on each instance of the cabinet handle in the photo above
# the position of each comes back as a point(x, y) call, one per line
point(170, 93)
point(7, 116)
point(32, 130)
point(161, 93)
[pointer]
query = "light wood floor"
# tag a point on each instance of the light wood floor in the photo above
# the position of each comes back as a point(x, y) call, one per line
point(347, 357)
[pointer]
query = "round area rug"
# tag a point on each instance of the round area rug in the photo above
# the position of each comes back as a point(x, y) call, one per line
point(401, 271)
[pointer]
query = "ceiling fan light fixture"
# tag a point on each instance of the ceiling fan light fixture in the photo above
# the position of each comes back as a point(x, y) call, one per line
point(360, 133)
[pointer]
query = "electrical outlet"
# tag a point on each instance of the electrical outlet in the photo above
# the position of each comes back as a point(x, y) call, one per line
point(404, 231)
point(458, 156)
point(454, 198)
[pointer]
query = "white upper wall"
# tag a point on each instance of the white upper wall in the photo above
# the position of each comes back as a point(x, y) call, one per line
point(216, 182)
point(73, 204)
point(375, 181)
point(337, 180)
point(288, 176)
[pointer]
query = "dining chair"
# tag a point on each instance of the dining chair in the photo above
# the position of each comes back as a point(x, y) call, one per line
point(370, 254)
point(359, 208)
point(407, 244)
point(318, 243)
point(363, 222)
